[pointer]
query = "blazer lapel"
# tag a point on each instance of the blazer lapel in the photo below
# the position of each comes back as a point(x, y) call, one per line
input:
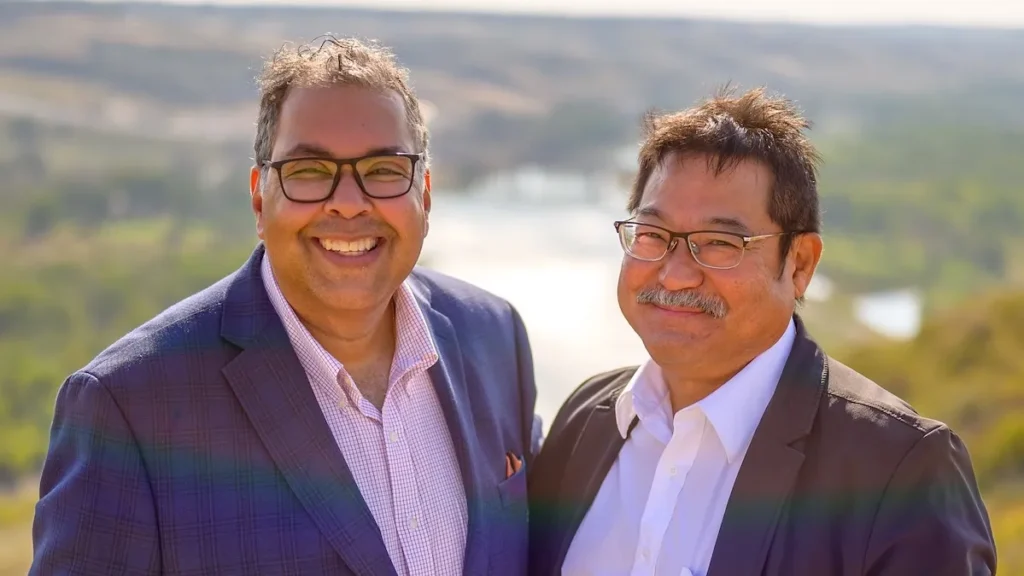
point(772, 462)
point(272, 388)
point(592, 457)
point(449, 380)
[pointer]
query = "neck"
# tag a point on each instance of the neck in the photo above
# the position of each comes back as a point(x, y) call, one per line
point(691, 382)
point(685, 390)
point(354, 338)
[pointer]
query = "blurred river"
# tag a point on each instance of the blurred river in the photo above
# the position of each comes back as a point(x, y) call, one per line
point(558, 265)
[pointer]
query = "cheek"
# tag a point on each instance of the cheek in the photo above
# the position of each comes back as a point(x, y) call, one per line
point(625, 297)
point(408, 219)
point(633, 276)
point(622, 287)
point(733, 286)
point(773, 286)
point(747, 293)
point(282, 217)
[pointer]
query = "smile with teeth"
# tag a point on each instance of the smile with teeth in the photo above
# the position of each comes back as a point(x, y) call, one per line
point(353, 248)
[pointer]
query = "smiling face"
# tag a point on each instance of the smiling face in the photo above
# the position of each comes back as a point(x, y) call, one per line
point(349, 252)
point(684, 194)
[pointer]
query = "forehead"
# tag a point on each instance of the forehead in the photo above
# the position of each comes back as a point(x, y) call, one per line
point(343, 120)
point(686, 192)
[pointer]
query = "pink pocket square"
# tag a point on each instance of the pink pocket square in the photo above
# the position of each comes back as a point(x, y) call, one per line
point(512, 464)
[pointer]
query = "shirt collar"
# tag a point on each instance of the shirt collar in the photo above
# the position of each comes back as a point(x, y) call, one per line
point(415, 348)
point(644, 394)
point(734, 409)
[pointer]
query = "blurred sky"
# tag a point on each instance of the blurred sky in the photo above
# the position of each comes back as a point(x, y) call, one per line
point(989, 13)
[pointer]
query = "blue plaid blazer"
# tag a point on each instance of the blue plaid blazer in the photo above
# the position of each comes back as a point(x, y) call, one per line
point(194, 445)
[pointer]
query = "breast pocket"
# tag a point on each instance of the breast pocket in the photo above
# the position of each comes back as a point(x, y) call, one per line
point(512, 490)
point(513, 518)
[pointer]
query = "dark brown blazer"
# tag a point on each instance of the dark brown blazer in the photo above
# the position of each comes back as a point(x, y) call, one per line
point(841, 478)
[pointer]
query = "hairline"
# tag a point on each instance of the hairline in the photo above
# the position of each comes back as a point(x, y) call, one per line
point(382, 90)
point(718, 164)
point(388, 91)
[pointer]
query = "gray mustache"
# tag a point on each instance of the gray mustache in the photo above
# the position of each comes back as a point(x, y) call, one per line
point(683, 299)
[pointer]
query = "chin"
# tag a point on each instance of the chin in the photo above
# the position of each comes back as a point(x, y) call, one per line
point(675, 344)
point(356, 297)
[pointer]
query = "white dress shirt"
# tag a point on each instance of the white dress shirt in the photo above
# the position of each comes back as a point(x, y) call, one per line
point(401, 457)
point(659, 509)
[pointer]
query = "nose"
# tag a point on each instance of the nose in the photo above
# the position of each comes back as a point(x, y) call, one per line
point(679, 270)
point(348, 200)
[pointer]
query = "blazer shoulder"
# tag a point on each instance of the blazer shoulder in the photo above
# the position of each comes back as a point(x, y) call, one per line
point(190, 326)
point(593, 391)
point(858, 398)
point(602, 386)
point(466, 304)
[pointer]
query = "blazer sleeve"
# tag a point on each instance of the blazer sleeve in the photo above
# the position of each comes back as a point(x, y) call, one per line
point(932, 519)
point(95, 513)
point(529, 420)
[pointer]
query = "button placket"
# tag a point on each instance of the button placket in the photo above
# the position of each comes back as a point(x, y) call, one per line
point(669, 477)
point(405, 490)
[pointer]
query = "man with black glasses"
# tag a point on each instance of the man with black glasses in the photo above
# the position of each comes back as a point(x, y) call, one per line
point(739, 447)
point(329, 408)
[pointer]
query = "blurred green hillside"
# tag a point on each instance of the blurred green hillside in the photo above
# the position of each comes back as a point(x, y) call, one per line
point(939, 206)
point(503, 90)
point(88, 258)
point(125, 140)
point(966, 368)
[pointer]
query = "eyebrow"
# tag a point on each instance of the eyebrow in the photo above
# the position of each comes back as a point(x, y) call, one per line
point(303, 149)
point(650, 212)
point(723, 221)
point(727, 222)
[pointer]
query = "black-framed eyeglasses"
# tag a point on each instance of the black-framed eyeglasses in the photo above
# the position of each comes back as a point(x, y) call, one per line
point(710, 248)
point(313, 179)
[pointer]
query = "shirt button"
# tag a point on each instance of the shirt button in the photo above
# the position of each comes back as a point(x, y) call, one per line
point(414, 522)
point(673, 471)
point(393, 437)
point(645, 555)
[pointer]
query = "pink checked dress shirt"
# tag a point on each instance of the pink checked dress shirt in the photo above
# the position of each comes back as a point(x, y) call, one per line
point(401, 457)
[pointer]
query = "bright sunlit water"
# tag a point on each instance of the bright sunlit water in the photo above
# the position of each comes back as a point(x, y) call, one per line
point(558, 265)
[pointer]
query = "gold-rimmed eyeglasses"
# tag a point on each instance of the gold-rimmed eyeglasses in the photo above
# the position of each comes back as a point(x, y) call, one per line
point(710, 248)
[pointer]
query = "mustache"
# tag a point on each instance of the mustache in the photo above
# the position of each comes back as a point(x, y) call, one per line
point(710, 305)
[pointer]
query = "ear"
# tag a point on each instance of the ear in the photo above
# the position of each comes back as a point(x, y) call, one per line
point(804, 257)
point(426, 202)
point(256, 197)
point(426, 190)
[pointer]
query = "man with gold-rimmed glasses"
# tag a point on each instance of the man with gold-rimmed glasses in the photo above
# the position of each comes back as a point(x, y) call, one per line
point(739, 447)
